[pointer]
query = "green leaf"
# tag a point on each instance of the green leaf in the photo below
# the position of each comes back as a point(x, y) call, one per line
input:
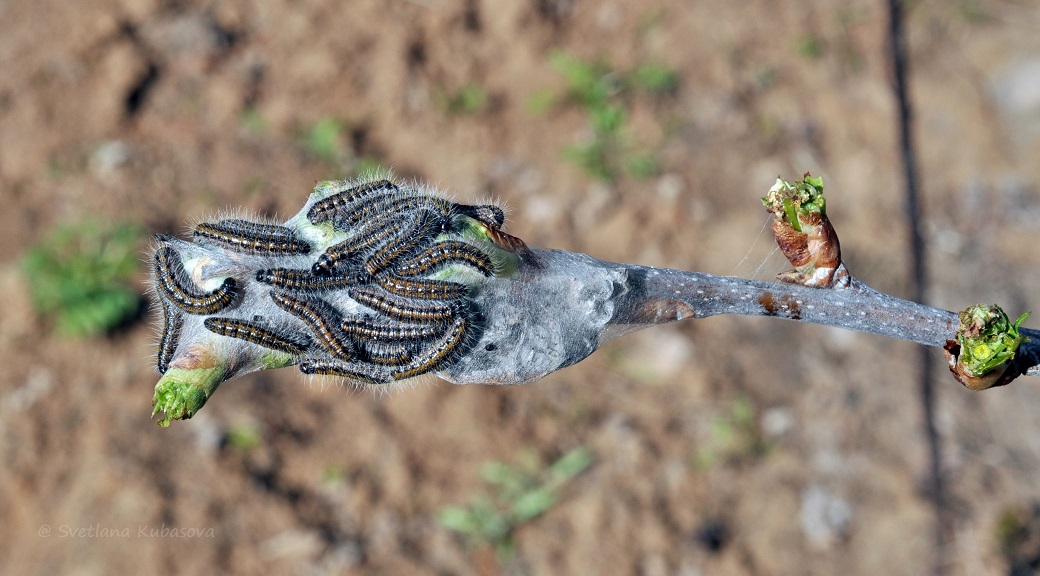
point(816, 182)
point(743, 412)
point(457, 519)
point(791, 211)
point(581, 77)
point(607, 119)
point(642, 166)
point(532, 503)
point(540, 102)
point(593, 157)
point(470, 99)
point(498, 473)
point(467, 100)
point(571, 464)
point(325, 139)
point(490, 524)
point(244, 437)
point(810, 46)
point(253, 121)
point(655, 78)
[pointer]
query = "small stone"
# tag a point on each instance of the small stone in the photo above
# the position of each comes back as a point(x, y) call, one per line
point(109, 157)
point(777, 422)
point(825, 517)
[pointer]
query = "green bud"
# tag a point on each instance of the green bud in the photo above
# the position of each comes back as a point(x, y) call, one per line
point(987, 338)
point(797, 203)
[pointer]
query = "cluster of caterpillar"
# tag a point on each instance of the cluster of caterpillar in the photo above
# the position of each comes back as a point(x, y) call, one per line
point(394, 244)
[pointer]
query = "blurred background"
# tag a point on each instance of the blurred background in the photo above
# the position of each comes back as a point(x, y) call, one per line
point(641, 134)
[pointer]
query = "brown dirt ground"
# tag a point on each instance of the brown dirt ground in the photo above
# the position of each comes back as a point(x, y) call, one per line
point(839, 411)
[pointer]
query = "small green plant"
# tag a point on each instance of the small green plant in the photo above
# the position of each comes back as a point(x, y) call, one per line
point(606, 96)
point(521, 494)
point(325, 139)
point(655, 78)
point(468, 100)
point(243, 437)
point(334, 474)
point(734, 437)
point(80, 276)
point(810, 46)
point(253, 122)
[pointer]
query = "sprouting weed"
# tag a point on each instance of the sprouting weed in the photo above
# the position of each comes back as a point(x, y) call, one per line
point(466, 101)
point(325, 139)
point(81, 274)
point(520, 494)
point(606, 95)
point(735, 436)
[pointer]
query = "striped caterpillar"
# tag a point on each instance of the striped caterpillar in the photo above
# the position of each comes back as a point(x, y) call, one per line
point(173, 282)
point(257, 333)
point(252, 237)
point(321, 318)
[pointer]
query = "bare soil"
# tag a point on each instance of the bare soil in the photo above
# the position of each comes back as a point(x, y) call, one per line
point(159, 113)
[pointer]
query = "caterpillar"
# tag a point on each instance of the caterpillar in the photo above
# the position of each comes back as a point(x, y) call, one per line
point(421, 288)
point(388, 353)
point(339, 206)
point(437, 352)
point(304, 281)
point(444, 254)
point(173, 321)
point(377, 232)
point(332, 207)
point(362, 328)
point(252, 237)
point(352, 369)
point(491, 215)
point(173, 282)
point(257, 333)
point(397, 203)
point(321, 318)
point(425, 226)
point(403, 309)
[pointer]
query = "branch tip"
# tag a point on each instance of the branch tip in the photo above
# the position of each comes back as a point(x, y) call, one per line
point(180, 393)
point(983, 354)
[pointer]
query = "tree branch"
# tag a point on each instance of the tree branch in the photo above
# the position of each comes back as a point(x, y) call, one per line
point(376, 283)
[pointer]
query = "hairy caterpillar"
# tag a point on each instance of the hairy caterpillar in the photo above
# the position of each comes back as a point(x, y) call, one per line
point(257, 333)
point(252, 237)
point(174, 283)
point(321, 318)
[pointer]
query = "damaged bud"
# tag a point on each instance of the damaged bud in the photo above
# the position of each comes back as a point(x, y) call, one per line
point(187, 385)
point(804, 233)
point(983, 354)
